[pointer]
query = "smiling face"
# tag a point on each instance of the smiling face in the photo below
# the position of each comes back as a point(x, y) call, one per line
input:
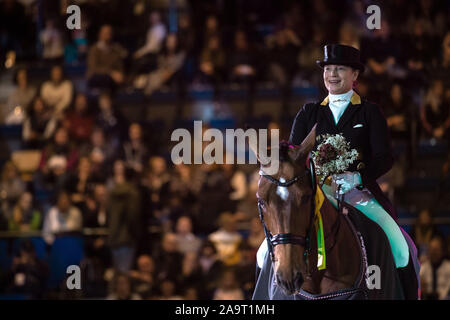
point(339, 79)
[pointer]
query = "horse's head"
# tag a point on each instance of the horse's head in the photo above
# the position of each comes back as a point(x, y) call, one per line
point(285, 204)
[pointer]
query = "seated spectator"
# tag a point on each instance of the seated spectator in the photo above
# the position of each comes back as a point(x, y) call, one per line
point(121, 288)
point(134, 151)
point(237, 179)
point(191, 274)
point(256, 235)
point(105, 61)
point(94, 207)
point(435, 112)
point(211, 267)
point(348, 35)
point(80, 120)
point(143, 279)
point(11, 187)
point(39, 125)
point(167, 289)
point(28, 275)
point(398, 113)
point(283, 47)
point(57, 92)
point(63, 217)
point(227, 240)
point(169, 63)
point(211, 29)
point(124, 220)
point(190, 293)
point(58, 158)
point(81, 182)
point(25, 217)
point(155, 185)
point(187, 241)
point(52, 42)
point(435, 273)
point(214, 197)
point(19, 100)
point(423, 231)
point(146, 55)
point(110, 120)
point(229, 288)
point(212, 64)
point(169, 259)
point(241, 64)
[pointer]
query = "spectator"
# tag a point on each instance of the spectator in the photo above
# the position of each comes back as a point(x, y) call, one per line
point(57, 92)
point(211, 29)
point(187, 241)
point(191, 272)
point(19, 100)
point(100, 153)
point(435, 273)
point(25, 217)
point(215, 198)
point(435, 112)
point(80, 121)
point(146, 55)
point(229, 287)
point(39, 125)
point(348, 35)
point(11, 187)
point(242, 67)
point(283, 47)
point(237, 179)
point(169, 62)
point(168, 257)
point(80, 183)
point(143, 279)
point(105, 65)
point(227, 240)
point(28, 275)
point(423, 231)
point(122, 288)
point(124, 219)
point(52, 42)
point(398, 113)
point(155, 187)
point(168, 290)
point(256, 235)
point(95, 206)
point(134, 151)
point(58, 158)
point(212, 64)
point(110, 120)
point(63, 217)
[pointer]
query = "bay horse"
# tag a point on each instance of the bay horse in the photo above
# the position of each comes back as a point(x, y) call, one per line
point(286, 204)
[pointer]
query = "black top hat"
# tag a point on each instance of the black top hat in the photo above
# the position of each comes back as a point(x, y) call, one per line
point(341, 55)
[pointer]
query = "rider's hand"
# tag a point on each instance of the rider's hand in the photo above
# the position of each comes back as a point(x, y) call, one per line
point(347, 180)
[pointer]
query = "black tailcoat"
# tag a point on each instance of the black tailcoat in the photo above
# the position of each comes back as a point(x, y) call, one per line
point(364, 126)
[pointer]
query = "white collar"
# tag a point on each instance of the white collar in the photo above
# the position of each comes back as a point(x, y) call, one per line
point(340, 99)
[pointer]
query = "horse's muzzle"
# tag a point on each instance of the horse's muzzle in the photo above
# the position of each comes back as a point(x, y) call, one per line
point(291, 285)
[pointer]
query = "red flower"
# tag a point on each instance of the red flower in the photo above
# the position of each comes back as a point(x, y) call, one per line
point(327, 153)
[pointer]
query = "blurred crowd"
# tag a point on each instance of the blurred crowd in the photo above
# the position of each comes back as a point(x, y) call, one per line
point(189, 231)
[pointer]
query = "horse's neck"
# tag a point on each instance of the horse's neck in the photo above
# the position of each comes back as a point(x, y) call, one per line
point(342, 254)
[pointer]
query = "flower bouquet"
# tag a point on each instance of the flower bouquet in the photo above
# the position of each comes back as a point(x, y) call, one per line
point(333, 156)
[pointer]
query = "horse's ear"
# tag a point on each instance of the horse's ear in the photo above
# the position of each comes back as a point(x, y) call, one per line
point(307, 144)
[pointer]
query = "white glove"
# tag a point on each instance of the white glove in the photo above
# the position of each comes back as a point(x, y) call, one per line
point(346, 181)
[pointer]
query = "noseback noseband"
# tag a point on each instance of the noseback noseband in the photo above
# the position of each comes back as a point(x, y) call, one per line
point(289, 238)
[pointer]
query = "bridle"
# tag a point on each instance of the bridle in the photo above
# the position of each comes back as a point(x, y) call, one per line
point(289, 238)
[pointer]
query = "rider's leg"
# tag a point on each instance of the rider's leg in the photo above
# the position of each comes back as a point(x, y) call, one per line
point(367, 204)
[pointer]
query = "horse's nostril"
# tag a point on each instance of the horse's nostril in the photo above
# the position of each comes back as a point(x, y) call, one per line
point(298, 281)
